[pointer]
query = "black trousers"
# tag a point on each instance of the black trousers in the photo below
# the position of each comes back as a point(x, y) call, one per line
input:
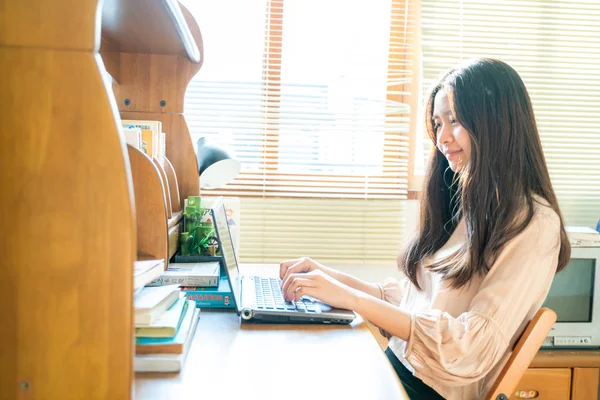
point(415, 388)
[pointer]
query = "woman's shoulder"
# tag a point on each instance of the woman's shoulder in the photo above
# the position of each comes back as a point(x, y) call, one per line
point(544, 214)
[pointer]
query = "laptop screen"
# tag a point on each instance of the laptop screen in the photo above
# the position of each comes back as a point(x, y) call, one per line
point(222, 228)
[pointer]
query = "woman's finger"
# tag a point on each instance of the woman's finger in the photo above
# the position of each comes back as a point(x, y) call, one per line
point(284, 265)
point(303, 265)
point(285, 286)
point(290, 276)
point(297, 284)
point(304, 291)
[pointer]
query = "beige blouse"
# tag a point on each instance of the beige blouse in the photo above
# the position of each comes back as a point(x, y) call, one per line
point(460, 339)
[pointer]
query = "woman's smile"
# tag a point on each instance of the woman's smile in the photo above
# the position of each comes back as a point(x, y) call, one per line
point(452, 154)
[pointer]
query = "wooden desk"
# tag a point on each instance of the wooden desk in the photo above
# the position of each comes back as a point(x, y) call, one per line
point(233, 360)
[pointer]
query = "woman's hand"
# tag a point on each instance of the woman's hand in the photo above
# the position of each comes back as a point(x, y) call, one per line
point(321, 286)
point(301, 265)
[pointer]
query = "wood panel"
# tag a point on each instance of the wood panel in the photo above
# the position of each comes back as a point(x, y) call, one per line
point(58, 25)
point(166, 187)
point(146, 80)
point(149, 26)
point(174, 233)
point(550, 383)
point(150, 205)
point(66, 222)
point(176, 203)
point(566, 359)
point(111, 58)
point(585, 384)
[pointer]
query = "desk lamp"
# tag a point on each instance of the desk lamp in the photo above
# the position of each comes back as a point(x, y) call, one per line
point(216, 166)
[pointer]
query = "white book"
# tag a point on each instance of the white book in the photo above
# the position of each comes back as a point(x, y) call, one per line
point(151, 302)
point(166, 325)
point(204, 274)
point(144, 271)
point(154, 126)
point(162, 149)
point(167, 362)
point(133, 137)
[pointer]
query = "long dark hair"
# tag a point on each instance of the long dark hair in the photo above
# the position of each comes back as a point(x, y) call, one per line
point(495, 191)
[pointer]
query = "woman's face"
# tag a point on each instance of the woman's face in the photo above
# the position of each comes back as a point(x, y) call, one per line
point(451, 138)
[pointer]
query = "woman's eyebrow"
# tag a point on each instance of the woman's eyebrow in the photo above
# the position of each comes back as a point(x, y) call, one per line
point(445, 111)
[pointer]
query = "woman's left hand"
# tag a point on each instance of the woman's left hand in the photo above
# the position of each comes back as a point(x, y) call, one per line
point(321, 286)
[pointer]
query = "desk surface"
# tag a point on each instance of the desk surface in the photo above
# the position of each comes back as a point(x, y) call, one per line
point(233, 360)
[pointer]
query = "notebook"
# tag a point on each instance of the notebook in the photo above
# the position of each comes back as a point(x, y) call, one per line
point(259, 299)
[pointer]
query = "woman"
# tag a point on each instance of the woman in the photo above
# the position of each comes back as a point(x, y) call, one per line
point(490, 240)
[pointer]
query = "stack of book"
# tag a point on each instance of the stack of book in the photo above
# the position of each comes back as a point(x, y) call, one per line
point(201, 281)
point(165, 322)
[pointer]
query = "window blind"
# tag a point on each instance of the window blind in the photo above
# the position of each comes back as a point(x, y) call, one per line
point(312, 97)
point(555, 47)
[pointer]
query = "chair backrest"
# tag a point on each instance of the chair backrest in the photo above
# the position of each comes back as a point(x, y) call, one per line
point(523, 353)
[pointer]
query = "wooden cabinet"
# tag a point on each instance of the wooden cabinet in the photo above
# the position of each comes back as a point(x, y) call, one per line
point(585, 384)
point(558, 384)
point(545, 383)
point(563, 374)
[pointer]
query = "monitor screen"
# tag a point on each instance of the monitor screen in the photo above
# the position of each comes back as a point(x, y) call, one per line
point(572, 290)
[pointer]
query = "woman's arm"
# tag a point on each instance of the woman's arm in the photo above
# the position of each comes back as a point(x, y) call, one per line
point(334, 292)
point(305, 265)
point(392, 319)
point(371, 289)
point(458, 350)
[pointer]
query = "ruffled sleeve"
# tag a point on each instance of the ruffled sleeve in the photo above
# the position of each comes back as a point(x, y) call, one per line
point(393, 289)
point(458, 351)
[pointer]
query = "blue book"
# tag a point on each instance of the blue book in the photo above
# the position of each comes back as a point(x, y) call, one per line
point(174, 344)
point(210, 297)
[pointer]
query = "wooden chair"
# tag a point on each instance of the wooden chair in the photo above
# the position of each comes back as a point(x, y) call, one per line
point(523, 353)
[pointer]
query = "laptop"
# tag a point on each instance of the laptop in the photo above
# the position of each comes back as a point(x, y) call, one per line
point(259, 299)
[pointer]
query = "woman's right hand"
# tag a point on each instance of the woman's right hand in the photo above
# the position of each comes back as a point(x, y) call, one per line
point(302, 265)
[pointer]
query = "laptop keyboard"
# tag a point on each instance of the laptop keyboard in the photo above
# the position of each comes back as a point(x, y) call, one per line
point(270, 297)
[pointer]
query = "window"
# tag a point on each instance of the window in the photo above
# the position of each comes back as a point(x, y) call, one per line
point(314, 97)
point(554, 45)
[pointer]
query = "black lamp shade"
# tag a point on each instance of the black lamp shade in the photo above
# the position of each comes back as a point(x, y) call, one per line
point(216, 167)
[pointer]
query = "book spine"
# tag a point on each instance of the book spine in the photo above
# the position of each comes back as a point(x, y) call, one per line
point(210, 281)
point(206, 299)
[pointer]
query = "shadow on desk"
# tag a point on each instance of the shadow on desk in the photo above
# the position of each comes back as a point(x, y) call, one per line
point(231, 360)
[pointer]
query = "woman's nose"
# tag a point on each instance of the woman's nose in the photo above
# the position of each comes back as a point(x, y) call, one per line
point(444, 136)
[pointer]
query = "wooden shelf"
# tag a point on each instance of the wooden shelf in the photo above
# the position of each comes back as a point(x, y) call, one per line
point(148, 27)
point(150, 206)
